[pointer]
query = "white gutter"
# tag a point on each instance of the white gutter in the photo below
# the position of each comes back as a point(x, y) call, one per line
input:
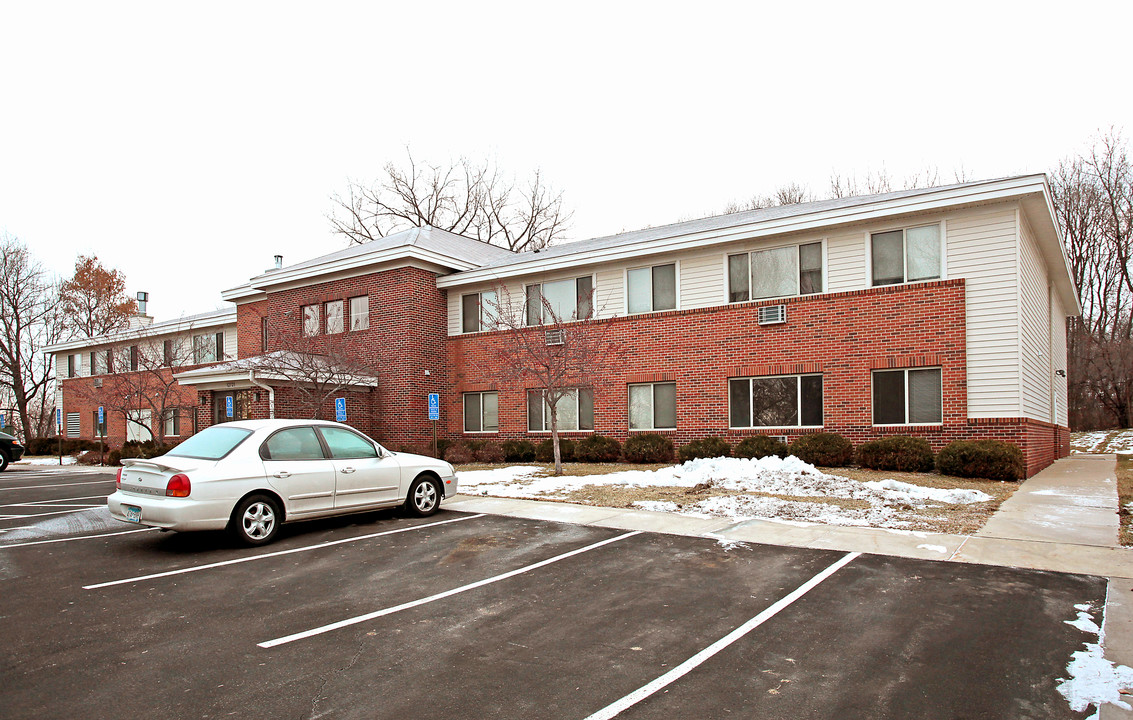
point(271, 392)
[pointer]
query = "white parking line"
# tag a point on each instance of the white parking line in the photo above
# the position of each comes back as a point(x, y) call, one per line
point(687, 666)
point(250, 558)
point(61, 512)
point(36, 487)
point(80, 537)
point(57, 500)
point(439, 596)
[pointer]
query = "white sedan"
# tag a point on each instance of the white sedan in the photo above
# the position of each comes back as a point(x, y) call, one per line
point(250, 476)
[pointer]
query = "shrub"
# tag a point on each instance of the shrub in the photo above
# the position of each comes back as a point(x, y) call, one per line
point(648, 448)
point(760, 446)
point(88, 457)
point(598, 448)
point(114, 457)
point(991, 459)
point(710, 447)
point(458, 453)
point(545, 451)
point(488, 452)
point(519, 450)
point(825, 449)
point(898, 452)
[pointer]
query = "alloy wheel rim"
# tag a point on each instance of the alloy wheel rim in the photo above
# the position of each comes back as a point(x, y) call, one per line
point(425, 497)
point(258, 520)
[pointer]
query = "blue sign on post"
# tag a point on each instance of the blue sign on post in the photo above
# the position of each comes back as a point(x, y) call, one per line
point(228, 406)
point(59, 418)
point(101, 415)
point(3, 420)
point(434, 406)
point(340, 409)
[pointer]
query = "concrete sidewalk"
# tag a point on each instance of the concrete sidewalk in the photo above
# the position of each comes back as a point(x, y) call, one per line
point(1063, 519)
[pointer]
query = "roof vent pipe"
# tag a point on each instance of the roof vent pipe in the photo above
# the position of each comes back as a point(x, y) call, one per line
point(278, 262)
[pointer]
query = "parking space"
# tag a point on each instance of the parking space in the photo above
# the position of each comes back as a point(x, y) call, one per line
point(28, 495)
point(380, 615)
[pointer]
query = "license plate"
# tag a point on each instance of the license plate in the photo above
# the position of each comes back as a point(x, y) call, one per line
point(133, 514)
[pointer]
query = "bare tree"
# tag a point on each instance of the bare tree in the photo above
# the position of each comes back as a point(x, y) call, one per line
point(789, 194)
point(468, 198)
point(30, 319)
point(563, 356)
point(316, 368)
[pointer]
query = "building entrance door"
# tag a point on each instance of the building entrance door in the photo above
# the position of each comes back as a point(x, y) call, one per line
point(241, 406)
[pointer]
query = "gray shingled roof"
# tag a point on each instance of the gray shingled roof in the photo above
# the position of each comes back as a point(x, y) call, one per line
point(715, 222)
point(445, 243)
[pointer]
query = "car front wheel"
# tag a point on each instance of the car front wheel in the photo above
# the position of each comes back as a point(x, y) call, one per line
point(256, 520)
point(3, 461)
point(424, 496)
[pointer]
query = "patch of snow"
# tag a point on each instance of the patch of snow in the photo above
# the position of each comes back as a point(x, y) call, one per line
point(1102, 441)
point(1093, 680)
point(771, 475)
point(657, 505)
point(67, 460)
point(935, 548)
point(79, 522)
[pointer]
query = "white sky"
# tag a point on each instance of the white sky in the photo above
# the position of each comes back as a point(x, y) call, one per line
point(187, 143)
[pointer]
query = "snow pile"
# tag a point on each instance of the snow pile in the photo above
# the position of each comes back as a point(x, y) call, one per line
point(788, 476)
point(1093, 679)
point(67, 460)
point(1102, 441)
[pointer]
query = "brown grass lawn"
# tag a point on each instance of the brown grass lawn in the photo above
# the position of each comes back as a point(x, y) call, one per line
point(932, 517)
point(1125, 497)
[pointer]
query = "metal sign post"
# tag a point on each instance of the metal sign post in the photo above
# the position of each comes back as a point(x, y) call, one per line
point(59, 431)
point(101, 429)
point(340, 409)
point(434, 415)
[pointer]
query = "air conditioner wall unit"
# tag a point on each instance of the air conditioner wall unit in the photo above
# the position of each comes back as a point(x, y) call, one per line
point(554, 337)
point(98, 382)
point(772, 314)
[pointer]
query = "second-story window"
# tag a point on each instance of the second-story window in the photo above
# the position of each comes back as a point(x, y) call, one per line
point(478, 311)
point(204, 349)
point(133, 357)
point(360, 312)
point(334, 317)
point(651, 289)
point(167, 353)
point(310, 320)
point(560, 301)
point(71, 362)
point(905, 255)
point(778, 272)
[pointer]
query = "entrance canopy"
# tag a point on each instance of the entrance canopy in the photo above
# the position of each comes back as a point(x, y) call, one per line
point(279, 368)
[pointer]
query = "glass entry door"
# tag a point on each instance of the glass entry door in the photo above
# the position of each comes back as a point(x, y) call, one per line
point(241, 406)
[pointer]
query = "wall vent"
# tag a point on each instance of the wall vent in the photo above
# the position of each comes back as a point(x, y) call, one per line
point(772, 314)
point(782, 438)
point(98, 382)
point(554, 337)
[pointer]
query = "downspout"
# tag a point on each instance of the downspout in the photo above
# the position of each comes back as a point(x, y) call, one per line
point(271, 392)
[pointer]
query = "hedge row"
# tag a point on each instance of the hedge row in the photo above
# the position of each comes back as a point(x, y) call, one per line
point(991, 459)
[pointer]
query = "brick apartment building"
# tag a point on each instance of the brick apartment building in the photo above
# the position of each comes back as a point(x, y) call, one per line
point(938, 312)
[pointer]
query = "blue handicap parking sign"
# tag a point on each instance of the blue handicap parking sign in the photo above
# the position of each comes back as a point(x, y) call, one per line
point(59, 417)
point(228, 406)
point(340, 409)
point(434, 406)
point(101, 415)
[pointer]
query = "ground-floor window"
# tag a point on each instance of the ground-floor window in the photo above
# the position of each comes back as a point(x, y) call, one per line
point(172, 423)
point(776, 401)
point(907, 397)
point(481, 412)
point(653, 406)
point(99, 427)
point(575, 410)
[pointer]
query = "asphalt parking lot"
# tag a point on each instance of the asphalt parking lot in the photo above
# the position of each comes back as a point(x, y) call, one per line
point(479, 616)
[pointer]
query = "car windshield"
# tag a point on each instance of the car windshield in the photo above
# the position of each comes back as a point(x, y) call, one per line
point(211, 443)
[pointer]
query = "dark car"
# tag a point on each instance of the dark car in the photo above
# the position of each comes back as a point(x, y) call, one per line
point(10, 450)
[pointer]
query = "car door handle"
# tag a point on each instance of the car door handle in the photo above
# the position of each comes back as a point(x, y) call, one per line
point(283, 474)
point(347, 470)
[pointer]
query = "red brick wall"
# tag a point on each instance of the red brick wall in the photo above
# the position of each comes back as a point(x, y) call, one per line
point(81, 396)
point(842, 335)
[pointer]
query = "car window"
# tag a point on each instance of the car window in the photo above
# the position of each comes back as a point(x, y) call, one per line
point(211, 443)
point(344, 444)
point(294, 444)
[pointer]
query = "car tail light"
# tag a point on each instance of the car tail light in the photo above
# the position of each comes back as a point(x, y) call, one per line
point(178, 486)
point(118, 480)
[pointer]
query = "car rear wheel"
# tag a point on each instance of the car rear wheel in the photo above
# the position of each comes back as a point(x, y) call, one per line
point(256, 520)
point(424, 496)
point(3, 461)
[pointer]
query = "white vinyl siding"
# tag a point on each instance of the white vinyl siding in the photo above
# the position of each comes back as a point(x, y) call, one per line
point(609, 292)
point(845, 262)
point(1034, 326)
point(981, 248)
point(702, 281)
point(1058, 358)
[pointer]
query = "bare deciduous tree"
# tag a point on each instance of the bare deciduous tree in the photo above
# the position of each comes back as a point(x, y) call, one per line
point(468, 198)
point(316, 369)
point(562, 356)
point(30, 318)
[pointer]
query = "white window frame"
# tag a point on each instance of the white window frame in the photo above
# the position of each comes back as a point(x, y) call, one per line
point(821, 242)
point(798, 400)
point(171, 423)
point(905, 255)
point(464, 406)
point(341, 316)
point(653, 406)
point(676, 287)
point(546, 420)
point(872, 374)
point(485, 319)
point(310, 327)
point(359, 318)
point(543, 308)
point(207, 341)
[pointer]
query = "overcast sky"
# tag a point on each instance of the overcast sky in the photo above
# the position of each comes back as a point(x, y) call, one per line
point(188, 143)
